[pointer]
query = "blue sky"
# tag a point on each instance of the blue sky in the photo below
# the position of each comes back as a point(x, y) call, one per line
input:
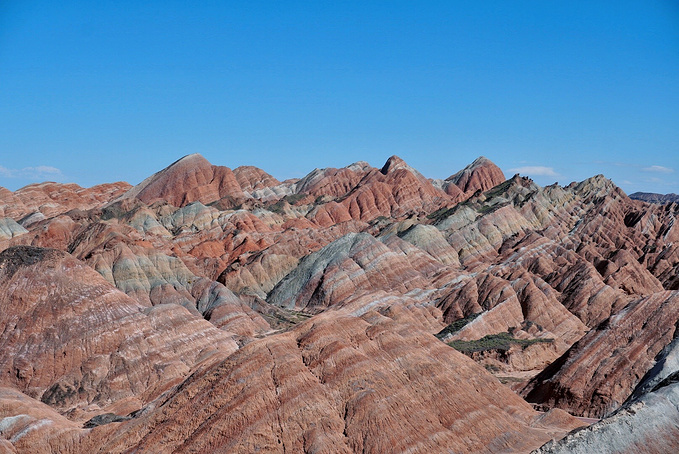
point(94, 92)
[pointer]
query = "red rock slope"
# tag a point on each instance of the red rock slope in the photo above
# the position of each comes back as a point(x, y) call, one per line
point(190, 179)
point(73, 341)
point(340, 384)
point(50, 199)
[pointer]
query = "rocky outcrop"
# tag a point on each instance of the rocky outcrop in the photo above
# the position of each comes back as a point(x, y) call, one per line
point(251, 179)
point(647, 422)
point(600, 371)
point(480, 175)
point(30, 426)
point(354, 264)
point(332, 285)
point(76, 343)
point(153, 276)
point(556, 255)
point(9, 229)
point(332, 182)
point(655, 198)
point(395, 191)
point(429, 239)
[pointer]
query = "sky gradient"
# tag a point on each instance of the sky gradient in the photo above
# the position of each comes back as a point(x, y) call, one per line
point(94, 92)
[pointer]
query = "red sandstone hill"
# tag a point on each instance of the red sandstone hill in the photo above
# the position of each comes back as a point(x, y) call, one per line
point(219, 310)
point(189, 179)
point(45, 200)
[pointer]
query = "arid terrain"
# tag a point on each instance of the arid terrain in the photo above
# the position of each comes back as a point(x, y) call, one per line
point(354, 310)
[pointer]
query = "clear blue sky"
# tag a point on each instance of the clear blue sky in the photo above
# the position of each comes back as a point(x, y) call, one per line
point(101, 91)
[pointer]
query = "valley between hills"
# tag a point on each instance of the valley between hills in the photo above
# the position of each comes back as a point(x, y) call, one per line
point(354, 310)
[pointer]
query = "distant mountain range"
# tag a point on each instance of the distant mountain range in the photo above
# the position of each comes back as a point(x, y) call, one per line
point(655, 198)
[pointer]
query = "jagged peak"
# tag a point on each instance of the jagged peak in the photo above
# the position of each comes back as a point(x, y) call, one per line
point(524, 181)
point(395, 163)
point(513, 186)
point(597, 184)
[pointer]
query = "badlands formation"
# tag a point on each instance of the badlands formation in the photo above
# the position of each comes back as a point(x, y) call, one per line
point(355, 310)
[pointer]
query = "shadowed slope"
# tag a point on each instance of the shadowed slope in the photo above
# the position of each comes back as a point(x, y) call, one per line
point(361, 264)
point(647, 422)
point(600, 371)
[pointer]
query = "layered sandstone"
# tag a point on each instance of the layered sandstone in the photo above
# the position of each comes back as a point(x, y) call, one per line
point(187, 180)
point(480, 175)
point(49, 199)
point(359, 266)
point(645, 423)
point(397, 190)
point(600, 372)
point(340, 384)
point(78, 344)
point(348, 267)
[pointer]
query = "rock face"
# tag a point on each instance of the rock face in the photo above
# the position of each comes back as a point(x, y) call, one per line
point(9, 228)
point(333, 182)
point(29, 425)
point(50, 199)
point(397, 191)
point(76, 343)
point(600, 372)
point(333, 385)
point(352, 265)
point(480, 175)
point(226, 311)
point(252, 179)
point(645, 423)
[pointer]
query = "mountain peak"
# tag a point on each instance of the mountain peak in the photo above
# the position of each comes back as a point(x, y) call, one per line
point(480, 161)
point(186, 180)
point(481, 174)
point(394, 163)
point(596, 185)
point(189, 159)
